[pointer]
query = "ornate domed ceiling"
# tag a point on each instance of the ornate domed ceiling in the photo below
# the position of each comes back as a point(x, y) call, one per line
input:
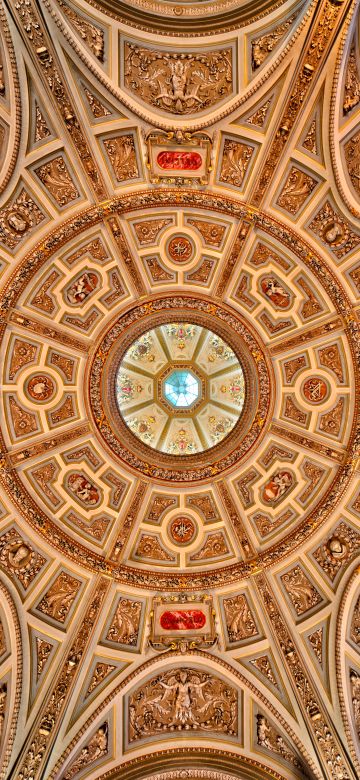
point(179, 468)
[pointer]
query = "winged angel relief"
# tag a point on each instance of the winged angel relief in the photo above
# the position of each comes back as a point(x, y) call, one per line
point(183, 700)
point(179, 83)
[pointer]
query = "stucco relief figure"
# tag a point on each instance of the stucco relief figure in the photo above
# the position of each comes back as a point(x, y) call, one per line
point(19, 555)
point(84, 490)
point(183, 700)
point(179, 83)
point(40, 387)
point(17, 222)
point(277, 487)
point(275, 292)
point(80, 290)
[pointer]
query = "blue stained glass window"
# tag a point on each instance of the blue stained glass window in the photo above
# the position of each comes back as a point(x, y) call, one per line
point(181, 388)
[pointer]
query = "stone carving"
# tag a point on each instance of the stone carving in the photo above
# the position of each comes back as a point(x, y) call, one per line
point(84, 490)
point(129, 520)
point(355, 623)
point(43, 650)
point(310, 61)
point(41, 387)
point(92, 36)
point(96, 748)
point(240, 623)
point(337, 550)
point(334, 231)
point(2, 639)
point(58, 600)
point(330, 358)
point(122, 155)
point(158, 507)
point(147, 231)
point(259, 117)
point(212, 233)
point(56, 178)
point(331, 422)
point(24, 422)
point(297, 188)
point(182, 530)
point(292, 411)
point(43, 298)
point(97, 107)
point(41, 129)
point(262, 47)
point(101, 671)
point(355, 697)
point(235, 162)
point(19, 558)
point(204, 503)
point(263, 665)
point(302, 592)
point(202, 272)
point(3, 701)
point(316, 641)
point(178, 83)
point(269, 738)
point(277, 487)
point(149, 546)
point(18, 218)
point(157, 271)
point(180, 249)
point(214, 546)
point(291, 367)
point(315, 390)
point(183, 700)
point(31, 22)
point(45, 476)
point(124, 628)
point(352, 83)
point(352, 160)
point(23, 353)
point(313, 474)
point(51, 713)
point(310, 141)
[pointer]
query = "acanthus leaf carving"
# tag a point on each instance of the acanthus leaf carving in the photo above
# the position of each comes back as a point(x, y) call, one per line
point(183, 700)
point(178, 83)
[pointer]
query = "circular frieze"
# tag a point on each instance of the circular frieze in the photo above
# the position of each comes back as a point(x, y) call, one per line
point(180, 388)
point(157, 438)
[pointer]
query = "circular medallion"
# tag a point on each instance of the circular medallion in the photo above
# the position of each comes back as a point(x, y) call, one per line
point(41, 387)
point(162, 397)
point(315, 390)
point(182, 530)
point(337, 547)
point(180, 249)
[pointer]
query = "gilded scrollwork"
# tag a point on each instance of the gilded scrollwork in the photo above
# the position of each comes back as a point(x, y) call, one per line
point(183, 700)
point(178, 83)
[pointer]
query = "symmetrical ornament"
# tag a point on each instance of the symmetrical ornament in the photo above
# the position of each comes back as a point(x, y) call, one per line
point(302, 593)
point(178, 83)
point(239, 620)
point(182, 700)
point(182, 621)
point(18, 218)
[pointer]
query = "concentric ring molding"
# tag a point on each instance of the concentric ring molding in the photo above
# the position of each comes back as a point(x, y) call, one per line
point(56, 535)
point(233, 330)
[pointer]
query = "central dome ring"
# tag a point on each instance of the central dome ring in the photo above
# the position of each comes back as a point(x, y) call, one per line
point(103, 370)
